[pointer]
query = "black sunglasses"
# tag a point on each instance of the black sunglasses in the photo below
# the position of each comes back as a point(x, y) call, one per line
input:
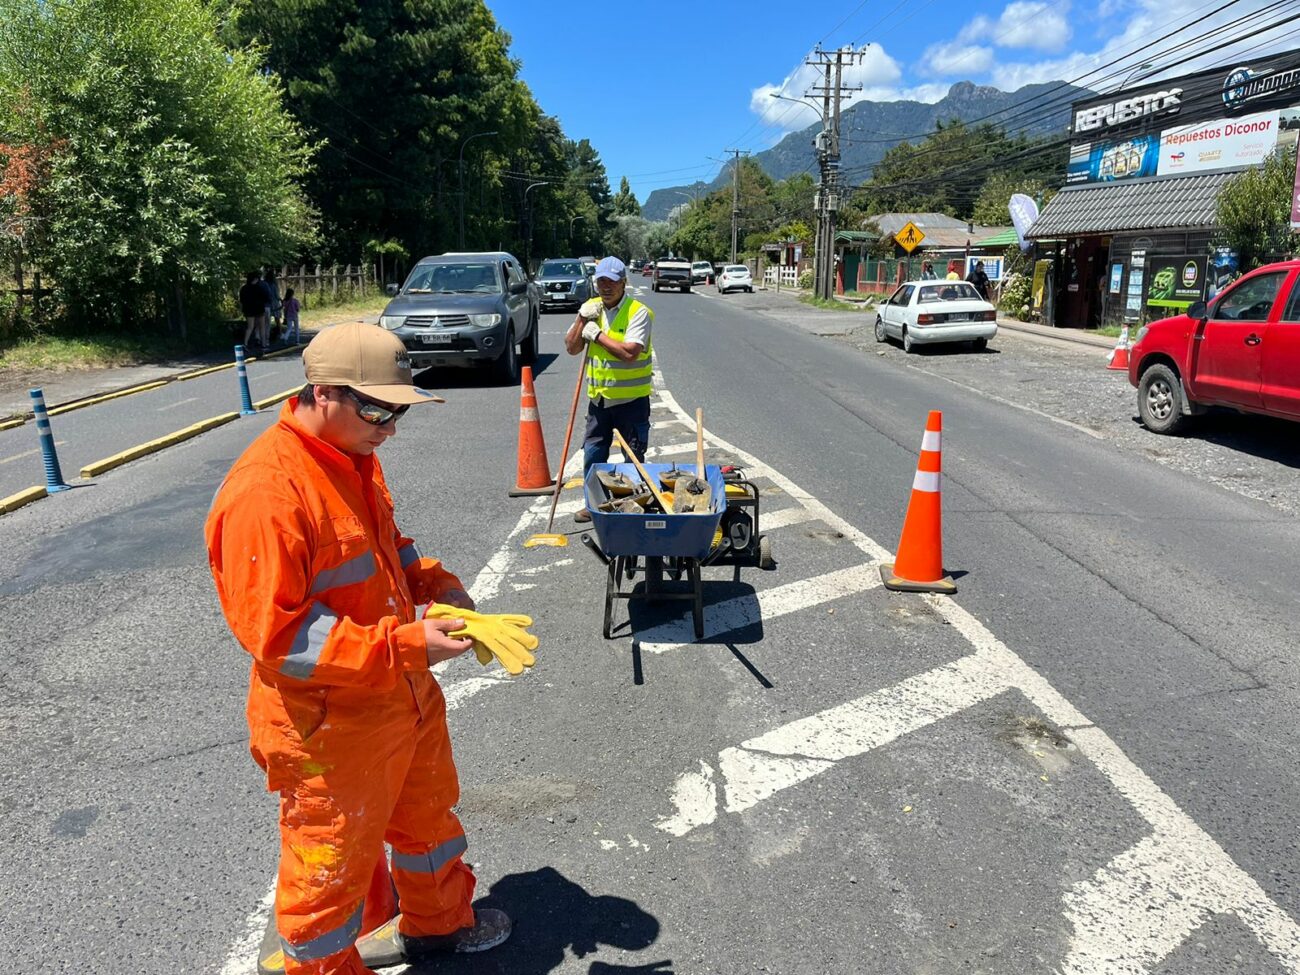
point(374, 413)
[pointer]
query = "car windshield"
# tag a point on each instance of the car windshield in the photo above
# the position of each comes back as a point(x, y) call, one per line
point(566, 269)
point(953, 291)
point(453, 279)
point(703, 264)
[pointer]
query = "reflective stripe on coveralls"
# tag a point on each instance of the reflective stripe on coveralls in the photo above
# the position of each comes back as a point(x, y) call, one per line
point(344, 716)
point(608, 376)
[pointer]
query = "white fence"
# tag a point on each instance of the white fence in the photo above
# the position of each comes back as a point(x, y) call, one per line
point(789, 276)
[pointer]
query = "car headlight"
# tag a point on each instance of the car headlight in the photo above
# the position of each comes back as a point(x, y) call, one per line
point(392, 321)
point(1141, 334)
point(484, 321)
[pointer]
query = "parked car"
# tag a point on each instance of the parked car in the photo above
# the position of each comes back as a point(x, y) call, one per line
point(933, 312)
point(1242, 350)
point(671, 272)
point(701, 272)
point(564, 283)
point(467, 309)
point(735, 277)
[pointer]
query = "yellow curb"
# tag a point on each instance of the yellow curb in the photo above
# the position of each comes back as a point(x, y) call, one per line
point(272, 355)
point(69, 407)
point(15, 501)
point(9, 424)
point(204, 372)
point(262, 404)
point(153, 446)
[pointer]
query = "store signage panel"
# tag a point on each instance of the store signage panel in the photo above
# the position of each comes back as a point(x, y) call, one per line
point(1223, 143)
point(1106, 162)
point(1175, 282)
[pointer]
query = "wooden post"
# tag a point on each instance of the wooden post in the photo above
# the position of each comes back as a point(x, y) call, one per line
point(334, 282)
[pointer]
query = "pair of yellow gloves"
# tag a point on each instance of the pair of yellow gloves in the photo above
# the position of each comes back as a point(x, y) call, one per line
point(500, 636)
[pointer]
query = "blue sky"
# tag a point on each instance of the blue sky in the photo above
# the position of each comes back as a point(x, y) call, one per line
point(663, 92)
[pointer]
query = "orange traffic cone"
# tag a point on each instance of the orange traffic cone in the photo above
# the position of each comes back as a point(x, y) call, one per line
point(534, 471)
point(1119, 355)
point(919, 564)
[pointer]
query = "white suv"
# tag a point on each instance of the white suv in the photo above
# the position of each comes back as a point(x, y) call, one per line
point(701, 272)
point(735, 277)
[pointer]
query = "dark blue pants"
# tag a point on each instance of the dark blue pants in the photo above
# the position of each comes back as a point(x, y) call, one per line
point(631, 419)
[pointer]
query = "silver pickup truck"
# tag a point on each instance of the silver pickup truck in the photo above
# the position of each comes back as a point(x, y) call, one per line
point(672, 272)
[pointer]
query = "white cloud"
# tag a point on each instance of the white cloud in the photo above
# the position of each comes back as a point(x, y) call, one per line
point(873, 69)
point(951, 58)
point(1022, 23)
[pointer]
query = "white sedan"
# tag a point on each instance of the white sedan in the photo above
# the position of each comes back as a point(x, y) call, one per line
point(931, 312)
point(735, 277)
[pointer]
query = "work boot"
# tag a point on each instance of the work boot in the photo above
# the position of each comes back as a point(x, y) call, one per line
point(490, 928)
point(582, 516)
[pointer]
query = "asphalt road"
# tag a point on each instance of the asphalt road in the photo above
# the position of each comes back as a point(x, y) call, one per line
point(1083, 762)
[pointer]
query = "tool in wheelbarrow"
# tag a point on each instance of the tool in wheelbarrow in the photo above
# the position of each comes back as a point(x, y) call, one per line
point(695, 494)
point(619, 485)
point(664, 504)
point(549, 537)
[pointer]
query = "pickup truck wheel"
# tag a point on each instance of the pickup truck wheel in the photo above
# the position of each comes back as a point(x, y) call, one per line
point(655, 286)
point(1160, 400)
point(881, 335)
point(686, 290)
point(531, 346)
point(506, 367)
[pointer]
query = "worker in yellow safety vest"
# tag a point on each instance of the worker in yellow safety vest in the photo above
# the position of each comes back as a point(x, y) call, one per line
point(615, 330)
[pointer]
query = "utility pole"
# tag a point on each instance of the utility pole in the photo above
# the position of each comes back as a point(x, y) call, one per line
point(735, 196)
point(828, 161)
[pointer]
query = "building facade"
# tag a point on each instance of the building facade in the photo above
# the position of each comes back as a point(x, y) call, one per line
point(1132, 236)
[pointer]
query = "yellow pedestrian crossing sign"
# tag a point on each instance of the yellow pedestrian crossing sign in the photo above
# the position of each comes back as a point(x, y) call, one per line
point(910, 237)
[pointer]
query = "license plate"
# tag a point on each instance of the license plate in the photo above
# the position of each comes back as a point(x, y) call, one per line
point(436, 338)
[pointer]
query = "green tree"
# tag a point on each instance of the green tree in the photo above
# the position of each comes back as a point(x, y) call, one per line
point(1254, 210)
point(625, 202)
point(992, 205)
point(170, 161)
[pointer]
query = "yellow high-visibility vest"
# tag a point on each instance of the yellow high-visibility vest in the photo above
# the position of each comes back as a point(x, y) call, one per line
point(609, 376)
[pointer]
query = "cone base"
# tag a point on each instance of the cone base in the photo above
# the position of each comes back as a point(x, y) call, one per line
point(1118, 367)
point(891, 581)
point(523, 492)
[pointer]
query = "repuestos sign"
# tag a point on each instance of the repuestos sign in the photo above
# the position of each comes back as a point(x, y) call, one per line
point(1128, 109)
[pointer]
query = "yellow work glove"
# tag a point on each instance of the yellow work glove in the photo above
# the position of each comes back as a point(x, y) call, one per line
point(503, 636)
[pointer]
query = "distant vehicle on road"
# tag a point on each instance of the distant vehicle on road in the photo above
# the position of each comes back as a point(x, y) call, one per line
point(637, 264)
point(1242, 350)
point(701, 272)
point(934, 312)
point(735, 277)
point(467, 309)
point(564, 283)
point(647, 269)
point(672, 272)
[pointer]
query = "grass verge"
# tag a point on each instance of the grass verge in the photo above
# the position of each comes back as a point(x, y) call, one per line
point(832, 304)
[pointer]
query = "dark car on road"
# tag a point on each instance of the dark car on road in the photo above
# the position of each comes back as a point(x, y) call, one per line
point(564, 283)
point(467, 309)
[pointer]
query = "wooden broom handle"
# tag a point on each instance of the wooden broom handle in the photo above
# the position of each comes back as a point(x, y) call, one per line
point(652, 485)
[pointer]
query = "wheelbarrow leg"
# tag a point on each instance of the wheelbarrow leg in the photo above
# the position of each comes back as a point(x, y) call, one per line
point(697, 606)
point(654, 574)
point(611, 587)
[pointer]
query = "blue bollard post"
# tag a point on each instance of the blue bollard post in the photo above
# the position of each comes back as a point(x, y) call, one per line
point(246, 400)
point(53, 475)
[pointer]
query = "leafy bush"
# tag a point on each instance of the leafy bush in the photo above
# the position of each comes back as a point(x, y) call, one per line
point(1016, 292)
point(806, 279)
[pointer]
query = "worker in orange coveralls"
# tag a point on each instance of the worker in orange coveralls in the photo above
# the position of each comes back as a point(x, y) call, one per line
point(350, 726)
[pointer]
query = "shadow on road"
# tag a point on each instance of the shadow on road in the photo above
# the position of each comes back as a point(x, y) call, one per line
point(1264, 437)
point(553, 916)
point(475, 376)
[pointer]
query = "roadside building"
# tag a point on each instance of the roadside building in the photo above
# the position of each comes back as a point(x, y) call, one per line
point(941, 239)
point(1132, 236)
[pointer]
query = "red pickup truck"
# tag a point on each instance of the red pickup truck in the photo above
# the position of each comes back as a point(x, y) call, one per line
point(1241, 350)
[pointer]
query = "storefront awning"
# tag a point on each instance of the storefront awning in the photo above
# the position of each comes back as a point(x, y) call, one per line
point(1177, 203)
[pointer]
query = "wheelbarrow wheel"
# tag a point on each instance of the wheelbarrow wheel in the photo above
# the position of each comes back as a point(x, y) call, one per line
point(697, 607)
point(765, 560)
point(611, 586)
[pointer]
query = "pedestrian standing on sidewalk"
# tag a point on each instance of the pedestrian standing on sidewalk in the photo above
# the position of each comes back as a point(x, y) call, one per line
point(345, 717)
point(273, 305)
point(615, 331)
point(927, 272)
point(979, 279)
point(252, 305)
point(291, 309)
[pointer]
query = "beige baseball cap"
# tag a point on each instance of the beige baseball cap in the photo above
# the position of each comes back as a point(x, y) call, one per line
point(367, 358)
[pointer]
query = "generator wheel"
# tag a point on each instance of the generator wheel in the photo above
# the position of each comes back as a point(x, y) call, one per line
point(765, 560)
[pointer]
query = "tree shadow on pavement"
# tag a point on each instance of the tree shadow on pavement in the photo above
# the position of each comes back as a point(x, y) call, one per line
point(553, 916)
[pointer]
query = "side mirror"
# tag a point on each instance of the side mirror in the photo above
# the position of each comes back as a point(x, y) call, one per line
point(1198, 310)
point(519, 287)
point(392, 289)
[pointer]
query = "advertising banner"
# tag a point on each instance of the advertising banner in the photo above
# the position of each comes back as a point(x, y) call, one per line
point(1024, 211)
point(1174, 283)
point(1133, 298)
point(1116, 277)
point(1040, 282)
point(1295, 196)
point(1221, 272)
point(1105, 162)
point(1220, 143)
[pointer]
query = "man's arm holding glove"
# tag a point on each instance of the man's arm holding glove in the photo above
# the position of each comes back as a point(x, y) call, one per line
point(503, 636)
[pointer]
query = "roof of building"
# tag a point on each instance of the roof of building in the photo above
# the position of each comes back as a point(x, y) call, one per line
point(855, 237)
point(941, 231)
point(1003, 239)
point(1159, 203)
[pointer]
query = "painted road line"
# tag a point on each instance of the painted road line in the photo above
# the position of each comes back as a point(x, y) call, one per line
point(784, 518)
point(172, 406)
point(28, 453)
point(13, 421)
point(765, 604)
point(153, 446)
point(95, 400)
point(677, 448)
point(16, 501)
point(262, 404)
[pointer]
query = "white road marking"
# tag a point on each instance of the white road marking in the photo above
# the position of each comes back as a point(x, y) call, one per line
point(764, 604)
point(770, 521)
point(241, 959)
point(179, 402)
point(28, 453)
point(677, 448)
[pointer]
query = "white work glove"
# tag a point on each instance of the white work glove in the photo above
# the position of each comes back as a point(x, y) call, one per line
point(589, 331)
point(590, 309)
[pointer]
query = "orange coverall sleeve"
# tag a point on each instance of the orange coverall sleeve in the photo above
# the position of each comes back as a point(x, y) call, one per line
point(428, 580)
point(261, 550)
